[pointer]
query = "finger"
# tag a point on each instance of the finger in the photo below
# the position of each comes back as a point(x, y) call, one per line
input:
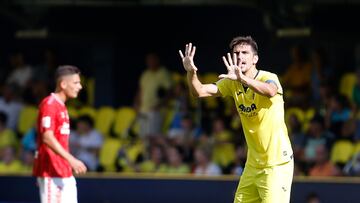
point(223, 76)
point(83, 168)
point(238, 72)
point(235, 59)
point(181, 54)
point(230, 59)
point(193, 51)
point(226, 63)
point(186, 49)
point(189, 47)
point(80, 170)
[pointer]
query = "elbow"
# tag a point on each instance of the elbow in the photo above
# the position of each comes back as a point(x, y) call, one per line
point(271, 93)
point(198, 93)
point(45, 140)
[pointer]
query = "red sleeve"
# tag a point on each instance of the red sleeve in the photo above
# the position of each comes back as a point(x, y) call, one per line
point(47, 118)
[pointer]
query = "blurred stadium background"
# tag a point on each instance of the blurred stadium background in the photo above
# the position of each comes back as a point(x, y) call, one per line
point(313, 46)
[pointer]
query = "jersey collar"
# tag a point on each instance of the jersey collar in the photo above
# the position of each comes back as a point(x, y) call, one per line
point(57, 99)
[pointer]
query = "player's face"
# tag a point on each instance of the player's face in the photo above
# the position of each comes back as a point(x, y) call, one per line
point(72, 85)
point(246, 57)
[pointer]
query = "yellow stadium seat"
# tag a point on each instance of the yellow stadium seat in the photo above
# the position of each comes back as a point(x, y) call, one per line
point(178, 77)
point(124, 119)
point(168, 118)
point(108, 153)
point(224, 154)
point(356, 147)
point(342, 151)
point(135, 150)
point(347, 83)
point(27, 119)
point(308, 115)
point(89, 111)
point(224, 150)
point(105, 119)
point(298, 112)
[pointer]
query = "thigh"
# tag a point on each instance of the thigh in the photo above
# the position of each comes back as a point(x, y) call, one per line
point(61, 190)
point(50, 190)
point(246, 191)
point(69, 190)
point(274, 184)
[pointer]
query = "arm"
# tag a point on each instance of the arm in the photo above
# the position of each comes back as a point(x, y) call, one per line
point(268, 88)
point(201, 90)
point(196, 87)
point(49, 139)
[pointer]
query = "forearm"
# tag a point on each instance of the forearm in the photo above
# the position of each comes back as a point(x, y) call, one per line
point(50, 140)
point(263, 88)
point(194, 83)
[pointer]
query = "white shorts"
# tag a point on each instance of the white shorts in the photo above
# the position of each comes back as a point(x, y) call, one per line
point(57, 190)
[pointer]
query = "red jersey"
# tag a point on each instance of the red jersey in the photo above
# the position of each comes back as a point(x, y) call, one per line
point(52, 116)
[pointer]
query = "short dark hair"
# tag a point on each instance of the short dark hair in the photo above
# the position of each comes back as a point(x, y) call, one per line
point(65, 70)
point(244, 40)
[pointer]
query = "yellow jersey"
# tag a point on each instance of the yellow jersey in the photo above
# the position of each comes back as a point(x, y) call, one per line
point(263, 121)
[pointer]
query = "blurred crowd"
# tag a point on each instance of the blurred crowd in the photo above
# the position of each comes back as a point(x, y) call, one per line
point(167, 131)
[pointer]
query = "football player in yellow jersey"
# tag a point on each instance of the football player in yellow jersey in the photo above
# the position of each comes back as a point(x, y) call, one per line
point(268, 172)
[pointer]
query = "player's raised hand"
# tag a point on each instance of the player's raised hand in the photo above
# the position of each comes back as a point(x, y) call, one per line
point(188, 57)
point(234, 71)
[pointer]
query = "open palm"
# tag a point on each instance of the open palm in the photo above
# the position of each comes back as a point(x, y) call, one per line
point(234, 72)
point(188, 57)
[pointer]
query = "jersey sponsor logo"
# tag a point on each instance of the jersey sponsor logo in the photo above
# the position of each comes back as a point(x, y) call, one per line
point(46, 122)
point(248, 111)
point(65, 129)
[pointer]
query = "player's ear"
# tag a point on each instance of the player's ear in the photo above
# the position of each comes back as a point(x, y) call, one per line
point(255, 59)
point(63, 84)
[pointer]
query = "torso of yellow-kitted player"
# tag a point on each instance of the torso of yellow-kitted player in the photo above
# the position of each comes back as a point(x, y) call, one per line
point(262, 119)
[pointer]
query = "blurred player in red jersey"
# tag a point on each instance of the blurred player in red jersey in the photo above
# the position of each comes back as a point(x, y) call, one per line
point(53, 162)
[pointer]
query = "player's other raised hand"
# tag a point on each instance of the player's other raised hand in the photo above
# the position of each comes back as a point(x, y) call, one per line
point(231, 63)
point(188, 57)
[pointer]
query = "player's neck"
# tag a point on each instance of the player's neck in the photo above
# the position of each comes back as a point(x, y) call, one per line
point(60, 95)
point(252, 72)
